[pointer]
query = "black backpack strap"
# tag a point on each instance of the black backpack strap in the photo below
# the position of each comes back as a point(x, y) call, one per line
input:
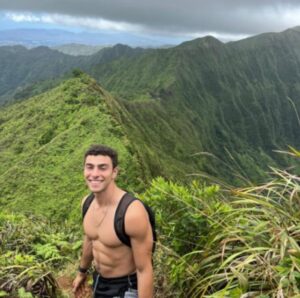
point(87, 203)
point(119, 221)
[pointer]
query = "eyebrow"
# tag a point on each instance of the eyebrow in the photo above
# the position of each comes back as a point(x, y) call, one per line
point(96, 165)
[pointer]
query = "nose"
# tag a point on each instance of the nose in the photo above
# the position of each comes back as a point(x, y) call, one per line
point(95, 172)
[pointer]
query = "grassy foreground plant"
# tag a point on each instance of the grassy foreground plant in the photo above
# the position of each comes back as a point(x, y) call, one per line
point(234, 243)
point(31, 251)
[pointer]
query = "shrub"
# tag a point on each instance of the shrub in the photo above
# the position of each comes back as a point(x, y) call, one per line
point(30, 253)
point(232, 242)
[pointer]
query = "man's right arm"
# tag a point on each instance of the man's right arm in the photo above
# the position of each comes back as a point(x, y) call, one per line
point(87, 253)
point(85, 263)
point(87, 249)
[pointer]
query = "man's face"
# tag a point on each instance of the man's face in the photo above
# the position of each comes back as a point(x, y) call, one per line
point(99, 172)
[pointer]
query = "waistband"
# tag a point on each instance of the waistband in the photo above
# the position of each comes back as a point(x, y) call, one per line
point(131, 277)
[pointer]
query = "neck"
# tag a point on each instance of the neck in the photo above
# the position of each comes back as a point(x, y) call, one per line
point(109, 196)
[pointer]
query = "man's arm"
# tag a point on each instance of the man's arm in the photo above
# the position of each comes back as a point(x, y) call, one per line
point(87, 253)
point(139, 229)
point(85, 263)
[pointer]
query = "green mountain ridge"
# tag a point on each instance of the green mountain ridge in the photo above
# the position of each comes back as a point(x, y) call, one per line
point(22, 69)
point(205, 106)
point(42, 143)
point(238, 101)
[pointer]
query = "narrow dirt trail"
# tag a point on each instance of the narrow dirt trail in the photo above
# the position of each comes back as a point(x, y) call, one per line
point(65, 284)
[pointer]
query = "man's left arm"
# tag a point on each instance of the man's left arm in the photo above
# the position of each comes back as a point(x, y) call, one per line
point(138, 228)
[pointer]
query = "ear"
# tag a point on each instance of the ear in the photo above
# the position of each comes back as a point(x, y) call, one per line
point(115, 172)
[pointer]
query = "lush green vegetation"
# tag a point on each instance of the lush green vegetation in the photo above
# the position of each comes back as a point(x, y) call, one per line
point(237, 101)
point(228, 242)
point(42, 142)
point(24, 72)
point(214, 241)
point(21, 67)
point(201, 109)
point(32, 252)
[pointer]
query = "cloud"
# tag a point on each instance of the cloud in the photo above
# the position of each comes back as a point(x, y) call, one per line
point(22, 18)
point(72, 21)
point(169, 17)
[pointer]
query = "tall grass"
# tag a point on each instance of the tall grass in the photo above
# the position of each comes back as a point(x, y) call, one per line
point(236, 242)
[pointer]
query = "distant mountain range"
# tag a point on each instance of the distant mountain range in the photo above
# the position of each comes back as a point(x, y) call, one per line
point(55, 37)
point(200, 107)
point(22, 67)
point(76, 49)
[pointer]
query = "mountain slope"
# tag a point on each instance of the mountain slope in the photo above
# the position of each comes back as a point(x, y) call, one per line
point(23, 70)
point(42, 141)
point(76, 49)
point(238, 101)
point(20, 67)
point(180, 106)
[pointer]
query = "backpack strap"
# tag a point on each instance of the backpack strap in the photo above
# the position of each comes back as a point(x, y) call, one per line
point(119, 220)
point(87, 203)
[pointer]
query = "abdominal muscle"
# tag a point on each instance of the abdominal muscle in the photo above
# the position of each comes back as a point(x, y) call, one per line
point(114, 262)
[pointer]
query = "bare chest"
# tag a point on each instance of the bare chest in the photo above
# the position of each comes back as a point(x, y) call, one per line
point(99, 226)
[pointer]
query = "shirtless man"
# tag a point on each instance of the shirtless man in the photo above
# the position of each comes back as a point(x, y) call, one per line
point(117, 266)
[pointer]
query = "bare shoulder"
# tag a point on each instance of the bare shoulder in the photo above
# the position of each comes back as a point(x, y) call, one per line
point(136, 219)
point(136, 210)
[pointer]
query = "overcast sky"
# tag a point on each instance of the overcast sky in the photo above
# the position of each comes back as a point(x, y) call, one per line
point(178, 19)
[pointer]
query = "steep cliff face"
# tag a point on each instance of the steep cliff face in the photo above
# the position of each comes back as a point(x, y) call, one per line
point(238, 101)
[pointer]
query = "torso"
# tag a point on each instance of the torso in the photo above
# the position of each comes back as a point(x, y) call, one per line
point(111, 257)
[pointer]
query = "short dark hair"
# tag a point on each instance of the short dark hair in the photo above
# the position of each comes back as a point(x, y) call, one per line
point(103, 150)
